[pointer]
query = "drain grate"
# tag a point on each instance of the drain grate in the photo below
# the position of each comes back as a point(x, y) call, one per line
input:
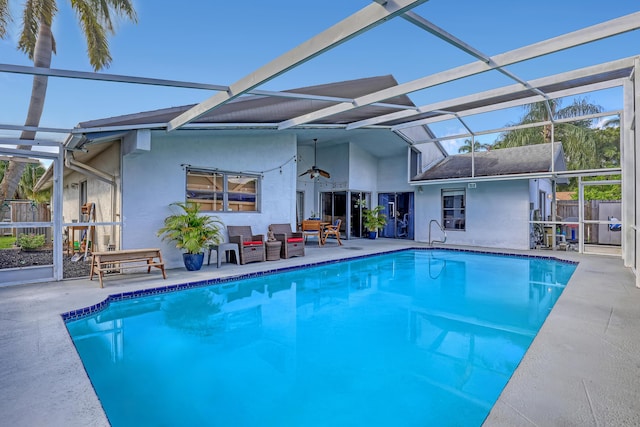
point(352, 248)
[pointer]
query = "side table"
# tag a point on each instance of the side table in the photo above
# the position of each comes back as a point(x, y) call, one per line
point(223, 249)
point(273, 250)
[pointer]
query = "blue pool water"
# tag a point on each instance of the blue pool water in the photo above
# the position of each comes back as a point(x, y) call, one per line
point(412, 338)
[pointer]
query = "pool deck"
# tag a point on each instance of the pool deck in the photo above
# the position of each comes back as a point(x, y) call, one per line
point(583, 368)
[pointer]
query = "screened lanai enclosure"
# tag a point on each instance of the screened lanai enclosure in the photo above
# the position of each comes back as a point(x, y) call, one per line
point(385, 141)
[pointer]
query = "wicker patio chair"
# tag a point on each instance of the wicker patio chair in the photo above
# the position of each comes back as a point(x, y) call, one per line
point(250, 246)
point(332, 230)
point(292, 241)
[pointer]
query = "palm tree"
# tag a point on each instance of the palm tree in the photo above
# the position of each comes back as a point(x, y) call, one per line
point(611, 122)
point(578, 140)
point(30, 176)
point(37, 41)
point(466, 148)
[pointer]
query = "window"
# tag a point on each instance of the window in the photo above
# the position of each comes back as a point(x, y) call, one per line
point(82, 197)
point(415, 165)
point(453, 209)
point(223, 191)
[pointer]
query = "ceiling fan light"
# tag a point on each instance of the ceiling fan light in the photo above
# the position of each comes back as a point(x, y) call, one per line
point(315, 174)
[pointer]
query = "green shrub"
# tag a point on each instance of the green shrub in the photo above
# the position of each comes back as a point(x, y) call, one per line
point(30, 241)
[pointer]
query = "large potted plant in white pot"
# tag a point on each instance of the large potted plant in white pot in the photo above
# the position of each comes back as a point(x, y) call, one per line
point(192, 232)
point(374, 220)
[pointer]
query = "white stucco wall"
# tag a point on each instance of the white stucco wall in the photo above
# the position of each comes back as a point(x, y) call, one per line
point(363, 169)
point(535, 186)
point(392, 175)
point(497, 214)
point(335, 160)
point(305, 183)
point(104, 195)
point(153, 180)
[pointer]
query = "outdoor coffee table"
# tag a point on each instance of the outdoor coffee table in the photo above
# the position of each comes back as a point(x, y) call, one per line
point(273, 250)
point(223, 249)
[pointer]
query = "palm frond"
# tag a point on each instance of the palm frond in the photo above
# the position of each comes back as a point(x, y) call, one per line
point(5, 18)
point(579, 146)
point(124, 8)
point(30, 27)
point(521, 137)
point(538, 111)
point(35, 12)
point(94, 33)
point(579, 107)
point(97, 23)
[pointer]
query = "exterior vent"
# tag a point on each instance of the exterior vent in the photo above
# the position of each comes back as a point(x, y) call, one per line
point(471, 185)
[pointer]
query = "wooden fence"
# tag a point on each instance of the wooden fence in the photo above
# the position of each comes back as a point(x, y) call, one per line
point(567, 210)
point(25, 211)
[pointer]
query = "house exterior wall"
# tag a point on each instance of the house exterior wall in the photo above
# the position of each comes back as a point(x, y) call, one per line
point(155, 179)
point(304, 160)
point(363, 169)
point(392, 175)
point(535, 186)
point(497, 214)
point(104, 195)
point(335, 160)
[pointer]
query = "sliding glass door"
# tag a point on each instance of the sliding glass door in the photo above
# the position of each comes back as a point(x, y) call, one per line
point(334, 206)
point(398, 207)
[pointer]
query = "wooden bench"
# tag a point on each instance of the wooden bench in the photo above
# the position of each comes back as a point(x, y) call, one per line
point(106, 261)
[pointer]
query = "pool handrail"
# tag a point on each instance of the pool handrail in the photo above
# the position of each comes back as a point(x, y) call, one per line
point(431, 242)
point(444, 266)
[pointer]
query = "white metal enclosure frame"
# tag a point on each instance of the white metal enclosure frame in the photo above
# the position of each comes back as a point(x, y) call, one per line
point(40, 273)
point(373, 15)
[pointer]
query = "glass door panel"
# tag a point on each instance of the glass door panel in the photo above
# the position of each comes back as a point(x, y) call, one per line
point(398, 207)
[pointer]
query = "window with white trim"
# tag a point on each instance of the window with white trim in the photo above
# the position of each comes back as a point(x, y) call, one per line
point(453, 209)
point(221, 191)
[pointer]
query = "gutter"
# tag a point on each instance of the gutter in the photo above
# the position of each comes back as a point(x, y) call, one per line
point(530, 175)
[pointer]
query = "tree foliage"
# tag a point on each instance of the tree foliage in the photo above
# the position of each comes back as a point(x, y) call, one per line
point(32, 173)
point(603, 192)
point(477, 146)
point(577, 138)
point(37, 41)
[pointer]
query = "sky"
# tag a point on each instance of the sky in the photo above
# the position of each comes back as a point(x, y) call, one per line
point(220, 42)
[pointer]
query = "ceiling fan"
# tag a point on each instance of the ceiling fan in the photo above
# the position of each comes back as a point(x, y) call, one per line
point(315, 171)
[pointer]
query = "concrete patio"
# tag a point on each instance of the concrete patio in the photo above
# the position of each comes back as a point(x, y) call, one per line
point(582, 369)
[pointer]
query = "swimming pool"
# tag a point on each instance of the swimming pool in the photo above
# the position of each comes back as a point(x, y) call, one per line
point(411, 338)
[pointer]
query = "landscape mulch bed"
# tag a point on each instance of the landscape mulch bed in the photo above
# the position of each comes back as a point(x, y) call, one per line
point(14, 258)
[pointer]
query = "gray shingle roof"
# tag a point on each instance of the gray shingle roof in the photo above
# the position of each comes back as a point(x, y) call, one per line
point(505, 161)
point(267, 109)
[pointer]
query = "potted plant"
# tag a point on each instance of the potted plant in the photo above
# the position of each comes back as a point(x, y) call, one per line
point(192, 232)
point(374, 219)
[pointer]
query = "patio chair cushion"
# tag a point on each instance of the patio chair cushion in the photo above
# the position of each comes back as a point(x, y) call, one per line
point(252, 242)
point(294, 239)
